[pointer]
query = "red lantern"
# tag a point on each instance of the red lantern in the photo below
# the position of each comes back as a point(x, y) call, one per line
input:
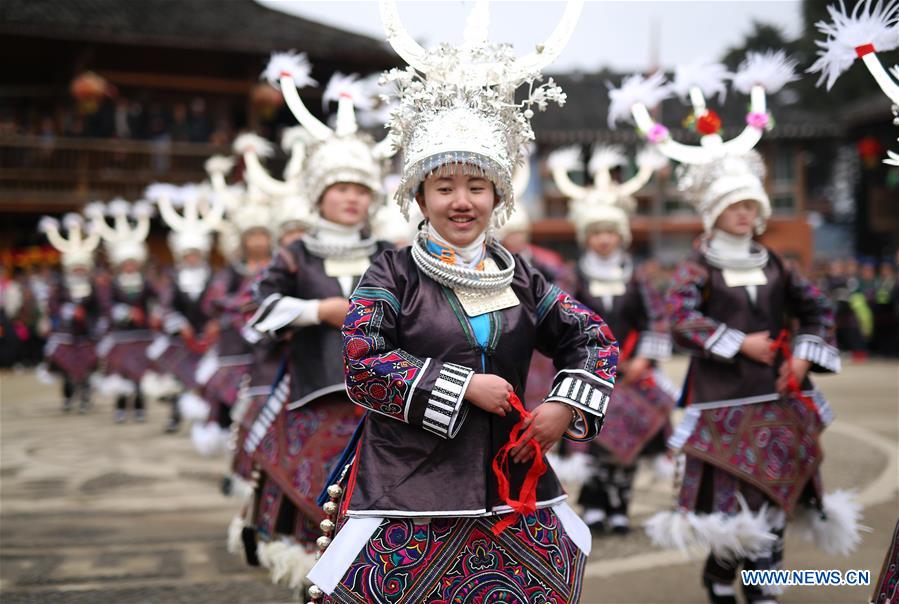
point(870, 151)
point(708, 123)
point(88, 87)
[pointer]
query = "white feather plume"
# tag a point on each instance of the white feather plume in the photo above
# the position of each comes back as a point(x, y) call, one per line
point(158, 190)
point(250, 141)
point(710, 78)
point(342, 85)
point(295, 135)
point(289, 563)
point(875, 23)
point(72, 221)
point(118, 207)
point(141, 209)
point(47, 223)
point(636, 89)
point(568, 158)
point(772, 70)
point(571, 470)
point(291, 63)
point(606, 157)
point(95, 209)
point(219, 164)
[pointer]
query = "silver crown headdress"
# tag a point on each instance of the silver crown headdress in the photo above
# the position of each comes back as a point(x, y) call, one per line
point(605, 201)
point(77, 246)
point(871, 27)
point(122, 239)
point(759, 75)
point(341, 154)
point(192, 227)
point(456, 104)
point(247, 206)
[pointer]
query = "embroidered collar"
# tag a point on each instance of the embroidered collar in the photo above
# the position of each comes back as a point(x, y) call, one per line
point(725, 251)
point(332, 240)
point(615, 268)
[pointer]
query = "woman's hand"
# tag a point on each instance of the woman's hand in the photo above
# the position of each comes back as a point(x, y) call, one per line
point(799, 368)
point(758, 346)
point(634, 370)
point(490, 393)
point(547, 424)
point(332, 311)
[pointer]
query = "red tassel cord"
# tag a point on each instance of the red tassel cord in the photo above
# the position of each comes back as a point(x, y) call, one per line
point(782, 345)
point(527, 501)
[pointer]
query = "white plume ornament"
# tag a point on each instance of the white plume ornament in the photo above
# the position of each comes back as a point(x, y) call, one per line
point(252, 142)
point(710, 78)
point(606, 157)
point(772, 70)
point(292, 64)
point(636, 89)
point(341, 85)
point(123, 240)
point(870, 23)
point(77, 245)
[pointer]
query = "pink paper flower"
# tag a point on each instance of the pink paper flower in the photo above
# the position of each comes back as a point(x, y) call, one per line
point(757, 120)
point(657, 134)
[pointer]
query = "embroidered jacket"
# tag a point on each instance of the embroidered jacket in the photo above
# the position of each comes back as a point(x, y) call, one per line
point(637, 313)
point(410, 351)
point(712, 320)
point(293, 277)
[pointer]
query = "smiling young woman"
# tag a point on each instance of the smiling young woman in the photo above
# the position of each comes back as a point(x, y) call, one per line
point(448, 470)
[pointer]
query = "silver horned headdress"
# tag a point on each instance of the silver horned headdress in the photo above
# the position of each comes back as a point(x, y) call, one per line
point(606, 201)
point(122, 239)
point(871, 27)
point(341, 154)
point(201, 211)
point(456, 104)
point(77, 246)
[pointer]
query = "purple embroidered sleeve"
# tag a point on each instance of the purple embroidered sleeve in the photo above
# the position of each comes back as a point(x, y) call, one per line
point(691, 328)
point(655, 339)
point(388, 380)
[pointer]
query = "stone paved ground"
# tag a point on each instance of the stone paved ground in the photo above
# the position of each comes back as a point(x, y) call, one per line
point(95, 512)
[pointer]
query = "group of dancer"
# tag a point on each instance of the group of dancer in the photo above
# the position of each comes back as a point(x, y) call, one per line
point(370, 378)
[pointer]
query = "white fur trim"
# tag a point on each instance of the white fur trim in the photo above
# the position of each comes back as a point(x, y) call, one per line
point(663, 467)
point(235, 535)
point(839, 531)
point(44, 376)
point(193, 408)
point(157, 386)
point(572, 470)
point(745, 534)
point(208, 439)
point(112, 385)
point(287, 561)
point(241, 489)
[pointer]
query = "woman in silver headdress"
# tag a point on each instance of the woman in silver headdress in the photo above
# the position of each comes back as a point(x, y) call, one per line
point(447, 497)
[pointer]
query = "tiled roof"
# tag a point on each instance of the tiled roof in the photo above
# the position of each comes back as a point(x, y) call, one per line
point(236, 25)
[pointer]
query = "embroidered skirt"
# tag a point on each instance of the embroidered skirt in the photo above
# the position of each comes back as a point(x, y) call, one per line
point(176, 359)
point(772, 447)
point(460, 560)
point(74, 358)
point(124, 353)
point(636, 415)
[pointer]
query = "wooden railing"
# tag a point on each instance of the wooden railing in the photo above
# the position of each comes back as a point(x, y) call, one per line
point(40, 174)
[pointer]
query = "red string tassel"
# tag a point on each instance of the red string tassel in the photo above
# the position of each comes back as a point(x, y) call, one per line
point(527, 502)
point(782, 345)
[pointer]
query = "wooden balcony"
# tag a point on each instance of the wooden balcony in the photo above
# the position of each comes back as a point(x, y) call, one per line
point(53, 175)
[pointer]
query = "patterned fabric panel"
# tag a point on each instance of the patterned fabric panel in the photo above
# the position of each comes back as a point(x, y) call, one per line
point(460, 560)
